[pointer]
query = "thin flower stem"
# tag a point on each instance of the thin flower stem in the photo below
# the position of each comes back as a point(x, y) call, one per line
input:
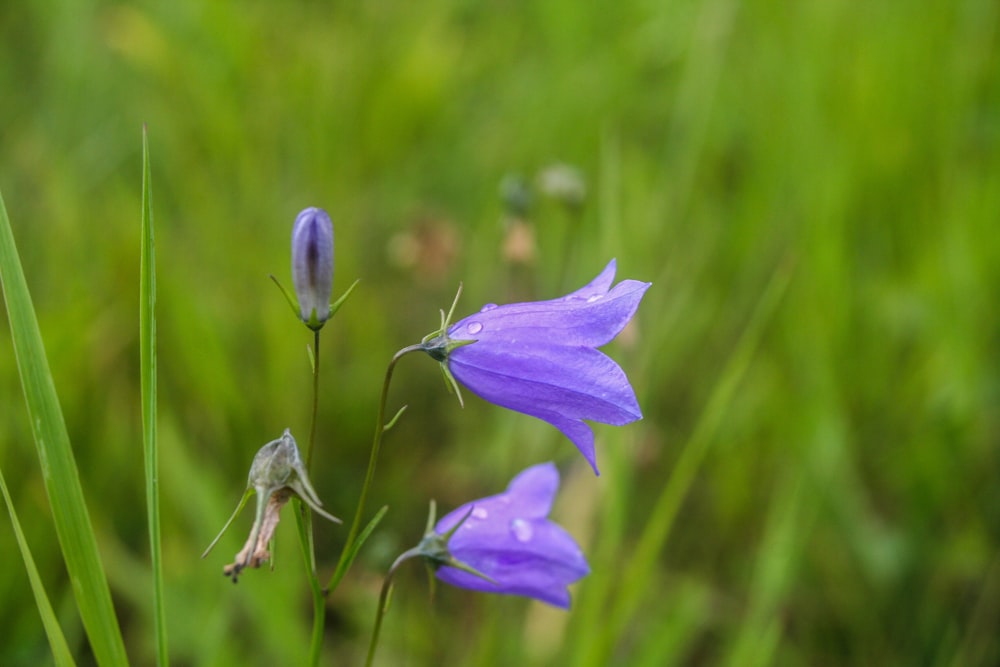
point(303, 521)
point(383, 600)
point(347, 553)
point(315, 402)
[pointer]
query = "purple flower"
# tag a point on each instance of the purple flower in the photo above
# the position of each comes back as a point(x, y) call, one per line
point(312, 265)
point(540, 358)
point(509, 539)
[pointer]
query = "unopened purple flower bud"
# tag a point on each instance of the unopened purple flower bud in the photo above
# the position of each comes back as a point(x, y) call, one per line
point(312, 265)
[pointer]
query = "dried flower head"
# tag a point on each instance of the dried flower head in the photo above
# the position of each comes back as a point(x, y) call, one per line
point(277, 473)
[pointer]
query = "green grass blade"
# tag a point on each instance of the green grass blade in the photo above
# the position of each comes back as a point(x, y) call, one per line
point(60, 650)
point(59, 472)
point(147, 366)
point(665, 511)
point(639, 571)
point(756, 640)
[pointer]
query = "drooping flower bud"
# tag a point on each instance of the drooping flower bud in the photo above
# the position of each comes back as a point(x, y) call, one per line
point(312, 265)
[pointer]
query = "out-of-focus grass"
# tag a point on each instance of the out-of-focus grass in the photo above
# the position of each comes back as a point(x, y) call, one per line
point(845, 510)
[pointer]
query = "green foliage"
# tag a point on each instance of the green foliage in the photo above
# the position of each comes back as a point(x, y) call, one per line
point(57, 468)
point(60, 650)
point(838, 507)
point(147, 371)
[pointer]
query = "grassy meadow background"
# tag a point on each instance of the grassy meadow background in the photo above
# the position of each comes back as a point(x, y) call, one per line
point(813, 189)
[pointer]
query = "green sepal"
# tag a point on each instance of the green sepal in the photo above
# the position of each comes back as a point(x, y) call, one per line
point(434, 547)
point(313, 322)
point(439, 346)
point(232, 517)
point(445, 322)
point(292, 302)
point(335, 306)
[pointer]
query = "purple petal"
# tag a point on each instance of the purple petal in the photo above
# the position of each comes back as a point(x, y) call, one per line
point(598, 285)
point(534, 489)
point(577, 382)
point(579, 433)
point(541, 566)
point(529, 495)
point(592, 321)
point(590, 316)
point(556, 384)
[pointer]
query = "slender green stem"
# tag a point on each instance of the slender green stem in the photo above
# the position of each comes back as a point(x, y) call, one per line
point(348, 552)
point(303, 521)
point(383, 600)
point(315, 402)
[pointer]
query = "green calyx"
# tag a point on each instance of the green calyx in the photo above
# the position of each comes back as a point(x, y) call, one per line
point(314, 322)
point(434, 546)
point(439, 346)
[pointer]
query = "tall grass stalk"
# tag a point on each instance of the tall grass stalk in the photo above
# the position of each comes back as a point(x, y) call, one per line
point(58, 466)
point(147, 365)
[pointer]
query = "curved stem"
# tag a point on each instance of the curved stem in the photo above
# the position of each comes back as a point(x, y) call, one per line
point(383, 600)
point(346, 554)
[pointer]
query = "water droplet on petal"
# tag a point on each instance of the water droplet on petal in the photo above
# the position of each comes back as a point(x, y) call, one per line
point(480, 513)
point(488, 307)
point(593, 298)
point(522, 530)
point(473, 328)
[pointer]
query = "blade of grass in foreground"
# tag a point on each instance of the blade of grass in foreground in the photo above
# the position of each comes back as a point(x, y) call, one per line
point(60, 650)
point(147, 366)
point(59, 472)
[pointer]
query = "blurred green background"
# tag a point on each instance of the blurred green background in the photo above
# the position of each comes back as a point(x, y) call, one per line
point(813, 189)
